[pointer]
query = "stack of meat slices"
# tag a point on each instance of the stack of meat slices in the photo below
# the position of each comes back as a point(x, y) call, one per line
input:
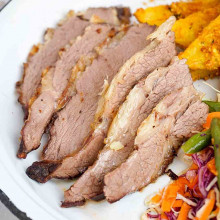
point(116, 101)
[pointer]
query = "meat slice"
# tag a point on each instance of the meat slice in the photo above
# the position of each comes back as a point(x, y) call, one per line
point(158, 53)
point(73, 123)
point(155, 148)
point(46, 54)
point(139, 103)
point(55, 81)
point(91, 182)
point(163, 48)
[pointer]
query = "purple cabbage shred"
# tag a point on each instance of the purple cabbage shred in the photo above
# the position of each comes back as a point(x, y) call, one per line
point(202, 159)
point(153, 215)
point(171, 215)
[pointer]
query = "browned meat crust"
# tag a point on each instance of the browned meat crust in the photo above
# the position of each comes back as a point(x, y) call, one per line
point(71, 204)
point(124, 14)
point(40, 171)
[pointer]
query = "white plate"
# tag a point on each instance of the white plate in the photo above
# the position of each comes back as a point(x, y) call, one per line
point(22, 24)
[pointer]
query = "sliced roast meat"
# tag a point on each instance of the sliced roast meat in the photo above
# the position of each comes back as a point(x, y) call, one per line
point(155, 149)
point(91, 183)
point(139, 103)
point(68, 134)
point(46, 54)
point(55, 81)
point(158, 53)
point(73, 123)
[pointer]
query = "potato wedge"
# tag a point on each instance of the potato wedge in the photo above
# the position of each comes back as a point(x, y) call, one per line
point(153, 15)
point(204, 52)
point(187, 29)
point(183, 9)
point(157, 15)
point(204, 74)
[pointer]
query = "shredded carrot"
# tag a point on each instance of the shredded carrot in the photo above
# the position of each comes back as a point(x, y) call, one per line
point(193, 182)
point(216, 211)
point(211, 195)
point(170, 193)
point(209, 205)
point(156, 199)
point(169, 197)
point(187, 194)
point(167, 204)
point(163, 216)
point(184, 211)
point(178, 203)
point(211, 166)
point(182, 181)
point(209, 119)
point(194, 167)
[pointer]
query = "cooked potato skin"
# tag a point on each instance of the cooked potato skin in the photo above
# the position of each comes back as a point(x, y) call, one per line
point(157, 15)
point(204, 74)
point(197, 30)
point(153, 15)
point(183, 9)
point(188, 29)
point(204, 52)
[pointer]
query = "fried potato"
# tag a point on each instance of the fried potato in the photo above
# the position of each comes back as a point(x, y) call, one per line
point(204, 52)
point(187, 29)
point(183, 9)
point(153, 15)
point(157, 15)
point(204, 74)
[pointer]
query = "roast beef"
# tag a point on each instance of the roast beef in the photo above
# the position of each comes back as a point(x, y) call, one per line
point(163, 48)
point(139, 103)
point(54, 82)
point(155, 148)
point(46, 54)
point(73, 123)
point(91, 183)
point(158, 53)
